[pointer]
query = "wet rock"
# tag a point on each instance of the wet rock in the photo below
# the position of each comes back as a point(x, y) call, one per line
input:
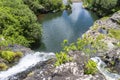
point(116, 17)
point(68, 71)
point(38, 71)
point(103, 31)
point(112, 59)
point(18, 48)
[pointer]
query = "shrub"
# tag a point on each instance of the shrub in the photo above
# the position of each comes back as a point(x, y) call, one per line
point(10, 56)
point(102, 7)
point(44, 5)
point(18, 22)
point(67, 47)
point(62, 58)
point(90, 67)
point(34, 5)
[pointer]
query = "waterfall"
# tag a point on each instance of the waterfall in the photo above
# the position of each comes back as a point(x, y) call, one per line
point(101, 67)
point(26, 62)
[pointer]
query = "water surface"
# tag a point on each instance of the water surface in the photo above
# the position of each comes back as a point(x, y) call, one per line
point(65, 25)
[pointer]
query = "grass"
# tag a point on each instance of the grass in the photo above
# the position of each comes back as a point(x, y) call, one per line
point(114, 33)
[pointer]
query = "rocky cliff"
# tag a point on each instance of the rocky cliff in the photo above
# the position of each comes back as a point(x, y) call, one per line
point(107, 26)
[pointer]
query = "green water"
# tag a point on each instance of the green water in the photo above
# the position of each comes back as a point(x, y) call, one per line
point(64, 25)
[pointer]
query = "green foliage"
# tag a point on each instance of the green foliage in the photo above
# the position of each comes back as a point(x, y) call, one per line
point(94, 27)
point(88, 45)
point(118, 44)
point(82, 43)
point(18, 23)
point(34, 5)
point(91, 44)
point(44, 5)
point(114, 33)
point(3, 66)
point(67, 47)
point(90, 67)
point(62, 58)
point(102, 7)
point(3, 42)
point(10, 56)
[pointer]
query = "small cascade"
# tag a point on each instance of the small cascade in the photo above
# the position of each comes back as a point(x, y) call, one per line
point(101, 67)
point(30, 60)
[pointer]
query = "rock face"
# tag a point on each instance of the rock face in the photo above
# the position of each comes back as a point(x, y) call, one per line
point(22, 49)
point(112, 59)
point(75, 70)
point(68, 71)
point(112, 55)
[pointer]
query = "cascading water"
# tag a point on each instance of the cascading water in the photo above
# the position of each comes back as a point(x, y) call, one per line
point(26, 62)
point(101, 67)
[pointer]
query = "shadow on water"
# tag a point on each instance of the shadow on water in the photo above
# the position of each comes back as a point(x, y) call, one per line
point(65, 25)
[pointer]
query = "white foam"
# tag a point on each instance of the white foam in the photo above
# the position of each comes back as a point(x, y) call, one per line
point(101, 67)
point(27, 61)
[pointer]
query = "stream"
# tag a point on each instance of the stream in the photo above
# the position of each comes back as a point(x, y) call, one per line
point(25, 63)
point(56, 27)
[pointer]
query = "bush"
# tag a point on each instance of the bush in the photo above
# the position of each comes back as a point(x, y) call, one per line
point(90, 67)
point(18, 23)
point(67, 47)
point(102, 7)
point(62, 58)
point(10, 56)
point(34, 5)
point(44, 5)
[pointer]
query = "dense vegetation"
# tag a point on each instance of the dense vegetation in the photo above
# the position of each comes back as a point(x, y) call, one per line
point(18, 24)
point(102, 7)
point(43, 6)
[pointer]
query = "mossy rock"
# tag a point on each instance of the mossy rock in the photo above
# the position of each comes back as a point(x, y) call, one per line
point(3, 66)
point(114, 33)
point(10, 56)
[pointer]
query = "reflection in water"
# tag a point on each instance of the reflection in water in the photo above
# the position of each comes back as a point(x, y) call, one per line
point(60, 26)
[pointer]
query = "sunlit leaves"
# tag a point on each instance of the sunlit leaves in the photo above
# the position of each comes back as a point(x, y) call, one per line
point(18, 22)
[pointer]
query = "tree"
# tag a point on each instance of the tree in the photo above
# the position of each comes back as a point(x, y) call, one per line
point(102, 7)
point(18, 22)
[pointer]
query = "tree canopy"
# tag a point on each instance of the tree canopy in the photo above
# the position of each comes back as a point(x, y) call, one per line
point(102, 7)
point(18, 24)
point(44, 5)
